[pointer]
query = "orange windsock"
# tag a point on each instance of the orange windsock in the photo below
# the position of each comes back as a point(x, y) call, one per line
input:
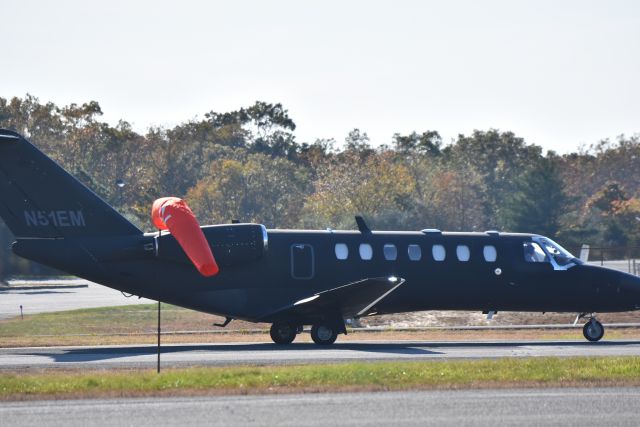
point(173, 214)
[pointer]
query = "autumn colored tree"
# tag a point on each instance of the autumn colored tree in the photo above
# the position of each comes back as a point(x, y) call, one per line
point(617, 213)
point(257, 189)
point(374, 186)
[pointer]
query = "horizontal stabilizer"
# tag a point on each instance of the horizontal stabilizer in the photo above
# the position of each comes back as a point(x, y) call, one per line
point(8, 138)
point(355, 299)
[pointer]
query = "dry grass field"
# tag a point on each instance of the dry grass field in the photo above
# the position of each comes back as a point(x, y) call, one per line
point(137, 325)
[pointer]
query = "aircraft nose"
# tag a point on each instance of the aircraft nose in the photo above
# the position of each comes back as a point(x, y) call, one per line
point(631, 284)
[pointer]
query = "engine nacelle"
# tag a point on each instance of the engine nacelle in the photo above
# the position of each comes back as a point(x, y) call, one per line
point(232, 244)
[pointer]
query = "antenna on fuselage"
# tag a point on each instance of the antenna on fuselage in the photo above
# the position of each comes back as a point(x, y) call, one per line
point(362, 226)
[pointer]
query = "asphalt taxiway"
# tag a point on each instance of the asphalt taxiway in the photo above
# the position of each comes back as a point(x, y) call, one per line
point(144, 356)
point(46, 298)
point(566, 407)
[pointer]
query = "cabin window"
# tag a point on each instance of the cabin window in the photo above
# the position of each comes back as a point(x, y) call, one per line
point(462, 251)
point(534, 253)
point(390, 252)
point(490, 253)
point(342, 251)
point(366, 253)
point(415, 253)
point(438, 252)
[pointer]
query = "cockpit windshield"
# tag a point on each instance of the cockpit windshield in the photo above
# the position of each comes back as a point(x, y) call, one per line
point(542, 249)
point(534, 253)
point(560, 255)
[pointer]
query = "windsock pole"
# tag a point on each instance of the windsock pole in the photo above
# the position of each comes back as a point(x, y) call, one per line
point(158, 336)
point(158, 368)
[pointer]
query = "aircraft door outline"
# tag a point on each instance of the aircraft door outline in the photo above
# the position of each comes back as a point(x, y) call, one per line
point(302, 258)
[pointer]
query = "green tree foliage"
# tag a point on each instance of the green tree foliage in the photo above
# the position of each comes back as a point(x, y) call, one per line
point(429, 142)
point(537, 201)
point(498, 158)
point(268, 127)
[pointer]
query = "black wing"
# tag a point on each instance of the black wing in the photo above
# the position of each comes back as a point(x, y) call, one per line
point(355, 299)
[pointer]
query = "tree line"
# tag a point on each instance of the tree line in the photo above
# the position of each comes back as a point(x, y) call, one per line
point(248, 165)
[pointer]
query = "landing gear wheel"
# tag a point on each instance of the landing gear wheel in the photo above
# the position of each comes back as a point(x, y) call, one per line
point(283, 333)
point(593, 330)
point(323, 334)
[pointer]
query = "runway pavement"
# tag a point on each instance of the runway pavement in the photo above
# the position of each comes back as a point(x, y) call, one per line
point(63, 298)
point(566, 407)
point(109, 357)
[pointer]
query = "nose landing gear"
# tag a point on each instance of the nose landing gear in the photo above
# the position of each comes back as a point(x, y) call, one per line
point(593, 330)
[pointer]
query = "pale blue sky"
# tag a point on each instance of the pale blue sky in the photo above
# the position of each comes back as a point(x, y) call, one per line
point(558, 73)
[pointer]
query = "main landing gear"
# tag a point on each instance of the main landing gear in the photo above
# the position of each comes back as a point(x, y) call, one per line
point(284, 333)
point(322, 332)
point(593, 329)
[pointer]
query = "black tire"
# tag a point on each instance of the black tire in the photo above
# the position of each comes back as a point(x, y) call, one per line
point(323, 334)
point(283, 333)
point(593, 330)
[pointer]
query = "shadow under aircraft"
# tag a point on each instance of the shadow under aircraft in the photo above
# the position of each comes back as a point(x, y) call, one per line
point(292, 278)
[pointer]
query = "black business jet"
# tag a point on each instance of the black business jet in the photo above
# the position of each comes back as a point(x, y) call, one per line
point(292, 278)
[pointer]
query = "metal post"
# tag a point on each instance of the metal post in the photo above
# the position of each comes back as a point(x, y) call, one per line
point(158, 369)
point(158, 336)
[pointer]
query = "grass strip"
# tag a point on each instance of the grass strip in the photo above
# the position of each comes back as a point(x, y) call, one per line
point(515, 372)
point(100, 320)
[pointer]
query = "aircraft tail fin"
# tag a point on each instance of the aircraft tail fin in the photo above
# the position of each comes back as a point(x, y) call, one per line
point(39, 199)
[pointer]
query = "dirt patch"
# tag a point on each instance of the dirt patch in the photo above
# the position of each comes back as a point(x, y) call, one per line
point(474, 318)
point(353, 336)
